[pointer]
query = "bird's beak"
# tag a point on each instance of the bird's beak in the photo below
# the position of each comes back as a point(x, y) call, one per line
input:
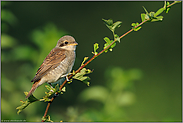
point(73, 44)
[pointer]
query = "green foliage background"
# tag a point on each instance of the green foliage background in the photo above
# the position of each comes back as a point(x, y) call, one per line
point(140, 80)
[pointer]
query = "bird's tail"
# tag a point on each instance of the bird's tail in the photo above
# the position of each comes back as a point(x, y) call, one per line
point(34, 86)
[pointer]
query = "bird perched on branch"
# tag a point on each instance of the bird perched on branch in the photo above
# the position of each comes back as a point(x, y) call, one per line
point(57, 65)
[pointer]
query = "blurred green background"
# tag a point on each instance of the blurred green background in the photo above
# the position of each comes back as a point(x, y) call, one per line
point(140, 80)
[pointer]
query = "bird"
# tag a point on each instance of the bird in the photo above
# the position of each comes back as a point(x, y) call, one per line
point(57, 65)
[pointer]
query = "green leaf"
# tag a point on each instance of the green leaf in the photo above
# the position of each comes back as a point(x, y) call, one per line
point(28, 101)
point(108, 22)
point(51, 92)
point(146, 17)
point(23, 106)
point(85, 58)
point(95, 48)
point(105, 45)
point(50, 88)
point(143, 17)
point(46, 99)
point(112, 26)
point(80, 76)
point(167, 8)
point(107, 40)
point(116, 25)
point(134, 26)
point(136, 29)
point(151, 14)
point(159, 18)
point(47, 119)
point(112, 46)
point(56, 88)
point(159, 12)
point(64, 89)
point(145, 10)
point(117, 38)
point(73, 72)
point(165, 4)
point(82, 72)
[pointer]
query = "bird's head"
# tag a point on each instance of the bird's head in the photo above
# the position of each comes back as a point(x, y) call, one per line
point(67, 42)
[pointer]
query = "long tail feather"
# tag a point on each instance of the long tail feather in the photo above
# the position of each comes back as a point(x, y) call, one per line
point(34, 86)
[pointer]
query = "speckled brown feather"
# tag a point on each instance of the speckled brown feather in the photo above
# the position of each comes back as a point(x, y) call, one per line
point(51, 61)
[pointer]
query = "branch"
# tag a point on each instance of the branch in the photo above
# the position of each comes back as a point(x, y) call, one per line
point(79, 69)
point(150, 18)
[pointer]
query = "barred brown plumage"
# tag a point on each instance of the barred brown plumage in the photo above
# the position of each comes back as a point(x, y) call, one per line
point(57, 64)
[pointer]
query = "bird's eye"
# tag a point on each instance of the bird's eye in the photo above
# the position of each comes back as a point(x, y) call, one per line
point(66, 42)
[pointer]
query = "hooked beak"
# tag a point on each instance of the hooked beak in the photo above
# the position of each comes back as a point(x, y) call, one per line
point(73, 44)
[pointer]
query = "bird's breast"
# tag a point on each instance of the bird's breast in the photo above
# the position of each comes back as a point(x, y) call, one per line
point(63, 68)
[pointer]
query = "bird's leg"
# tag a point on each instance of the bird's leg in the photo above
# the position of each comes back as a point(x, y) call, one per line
point(66, 76)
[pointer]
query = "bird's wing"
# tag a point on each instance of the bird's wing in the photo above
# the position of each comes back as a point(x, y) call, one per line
point(51, 61)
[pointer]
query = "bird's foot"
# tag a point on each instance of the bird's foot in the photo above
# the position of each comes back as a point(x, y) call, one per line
point(66, 76)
